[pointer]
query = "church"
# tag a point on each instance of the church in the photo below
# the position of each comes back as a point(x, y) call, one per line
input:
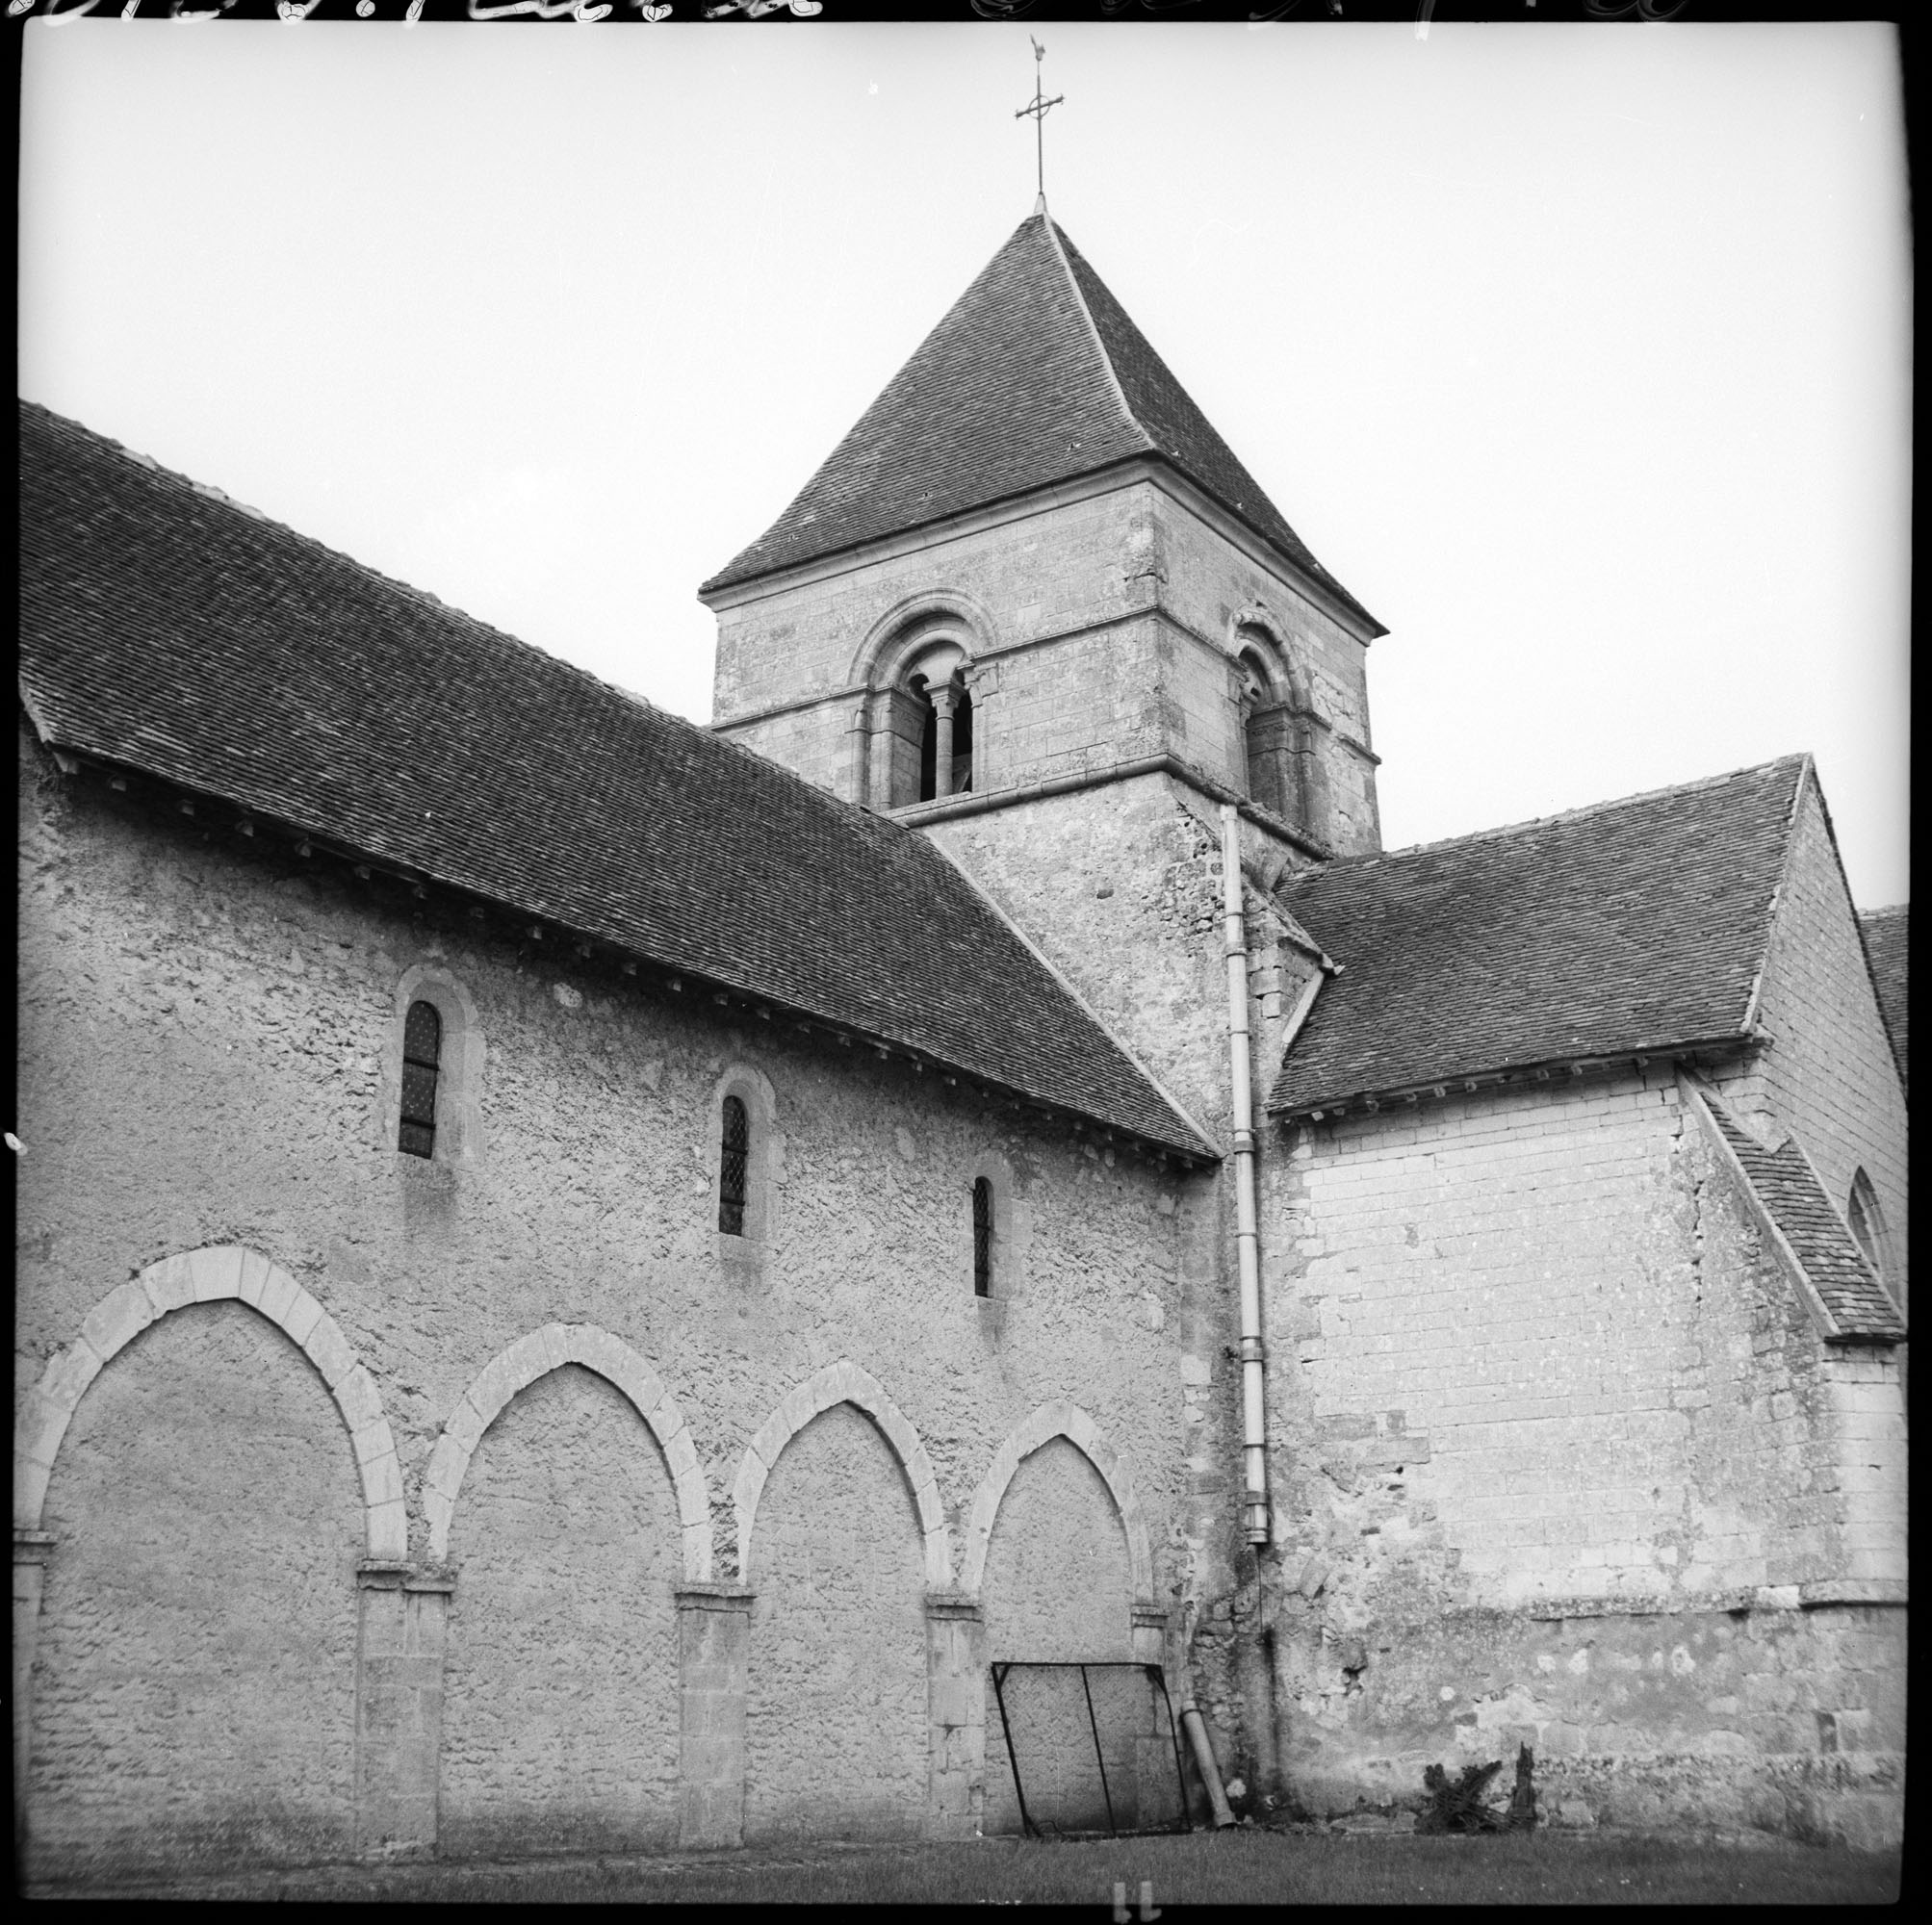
point(587, 1283)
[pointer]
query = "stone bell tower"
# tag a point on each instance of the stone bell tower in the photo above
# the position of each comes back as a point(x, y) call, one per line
point(1032, 599)
point(1033, 606)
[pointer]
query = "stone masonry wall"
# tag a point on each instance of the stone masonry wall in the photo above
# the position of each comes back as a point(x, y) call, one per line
point(1102, 630)
point(837, 1619)
point(561, 1684)
point(1120, 888)
point(203, 1029)
point(1552, 1431)
point(1207, 585)
point(208, 1522)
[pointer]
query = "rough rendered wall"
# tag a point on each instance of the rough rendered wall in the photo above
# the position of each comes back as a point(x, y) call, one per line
point(835, 1712)
point(1058, 1589)
point(1120, 889)
point(1546, 1376)
point(203, 1029)
point(561, 1693)
point(1829, 1075)
point(197, 1633)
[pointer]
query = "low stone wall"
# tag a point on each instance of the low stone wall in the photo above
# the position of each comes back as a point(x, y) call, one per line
point(1771, 1715)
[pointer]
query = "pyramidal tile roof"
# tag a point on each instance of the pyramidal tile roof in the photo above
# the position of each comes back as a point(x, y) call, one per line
point(1035, 376)
point(1630, 927)
point(170, 630)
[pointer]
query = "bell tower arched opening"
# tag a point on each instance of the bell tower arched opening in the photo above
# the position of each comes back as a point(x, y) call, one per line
point(1270, 729)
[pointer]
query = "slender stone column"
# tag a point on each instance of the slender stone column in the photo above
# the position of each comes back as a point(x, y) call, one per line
point(30, 1550)
point(713, 1644)
point(943, 698)
point(401, 1624)
point(955, 1716)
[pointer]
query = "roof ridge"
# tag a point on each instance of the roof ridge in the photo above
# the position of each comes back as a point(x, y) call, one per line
point(1507, 828)
point(1093, 333)
point(1891, 908)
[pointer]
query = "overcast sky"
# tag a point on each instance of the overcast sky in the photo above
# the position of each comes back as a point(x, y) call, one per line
point(1579, 354)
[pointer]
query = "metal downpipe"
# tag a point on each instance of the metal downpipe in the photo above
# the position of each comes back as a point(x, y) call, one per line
point(1247, 1235)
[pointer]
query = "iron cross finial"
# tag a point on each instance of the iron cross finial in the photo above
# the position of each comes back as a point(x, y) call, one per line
point(1037, 108)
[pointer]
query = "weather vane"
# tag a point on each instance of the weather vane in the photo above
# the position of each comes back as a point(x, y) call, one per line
point(1037, 107)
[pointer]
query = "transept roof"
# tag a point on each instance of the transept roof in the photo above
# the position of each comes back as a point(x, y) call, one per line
point(1633, 927)
point(1035, 376)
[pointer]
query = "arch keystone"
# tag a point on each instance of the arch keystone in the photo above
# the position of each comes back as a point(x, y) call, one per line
point(217, 1273)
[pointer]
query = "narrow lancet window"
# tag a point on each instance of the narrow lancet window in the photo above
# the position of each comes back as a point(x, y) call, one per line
point(422, 1053)
point(1862, 1212)
point(981, 1237)
point(734, 1154)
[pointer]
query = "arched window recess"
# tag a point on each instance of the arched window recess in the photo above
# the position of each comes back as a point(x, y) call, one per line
point(422, 1065)
point(734, 1166)
point(1272, 733)
point(923, 726)
point(1868, 1223)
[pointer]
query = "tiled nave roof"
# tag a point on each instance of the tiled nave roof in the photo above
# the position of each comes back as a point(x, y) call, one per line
point(168, 630)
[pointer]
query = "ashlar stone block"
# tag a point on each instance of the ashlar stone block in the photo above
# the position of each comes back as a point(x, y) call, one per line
point(69, 1372)
point(382, 1481)
point(118, 1318)
point(358, 1399)
point(254, 1276)
point(217, 1273)
point(279, 1292)
point(328, 1351)
point(169, 1284)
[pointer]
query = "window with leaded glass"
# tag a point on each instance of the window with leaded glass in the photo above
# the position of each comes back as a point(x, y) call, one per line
point(733, 1158)
point(422, 1053)
point(982, 1236)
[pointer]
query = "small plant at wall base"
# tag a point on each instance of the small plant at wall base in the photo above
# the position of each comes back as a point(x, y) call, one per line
point(1460, 1807)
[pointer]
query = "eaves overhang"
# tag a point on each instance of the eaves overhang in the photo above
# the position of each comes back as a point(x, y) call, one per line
point(234, 814)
